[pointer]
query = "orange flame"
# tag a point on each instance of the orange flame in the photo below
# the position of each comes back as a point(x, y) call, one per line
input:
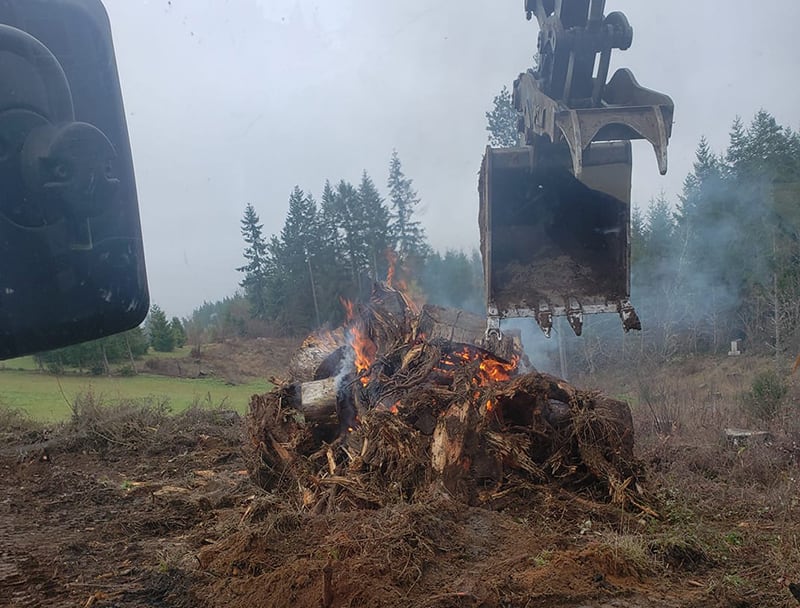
point(489, 405)
point(490, 369)
point(397, 278)
point(493, 370)
point(349, 309)
point(364, 348)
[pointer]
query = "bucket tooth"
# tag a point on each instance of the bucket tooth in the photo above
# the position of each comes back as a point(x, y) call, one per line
point(630, 320)
point(544, 317)
point(575, 316)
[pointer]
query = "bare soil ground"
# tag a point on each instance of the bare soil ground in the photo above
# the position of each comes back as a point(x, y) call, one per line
point(130, 507)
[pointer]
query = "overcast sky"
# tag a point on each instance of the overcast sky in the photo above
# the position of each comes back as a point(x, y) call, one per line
point(232, 102)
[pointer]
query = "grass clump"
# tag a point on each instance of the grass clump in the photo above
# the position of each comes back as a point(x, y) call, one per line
point(627, 555)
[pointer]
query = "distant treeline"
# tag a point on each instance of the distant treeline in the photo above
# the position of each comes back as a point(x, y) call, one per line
point(721, 263)
point(337, 248)
point(122, 350)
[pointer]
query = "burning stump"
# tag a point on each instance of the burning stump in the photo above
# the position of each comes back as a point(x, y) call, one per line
point(400, 414)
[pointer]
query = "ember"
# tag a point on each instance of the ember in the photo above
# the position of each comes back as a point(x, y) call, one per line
point(491, 369)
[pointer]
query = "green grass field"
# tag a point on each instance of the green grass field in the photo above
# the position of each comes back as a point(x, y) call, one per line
point(21, 363)
point(47, 398)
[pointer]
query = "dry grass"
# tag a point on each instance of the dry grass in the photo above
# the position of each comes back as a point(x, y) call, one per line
point(146, 426)
point(17, 426)
point(729, 513)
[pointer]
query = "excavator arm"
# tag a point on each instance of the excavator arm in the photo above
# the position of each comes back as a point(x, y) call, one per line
point(555, 211)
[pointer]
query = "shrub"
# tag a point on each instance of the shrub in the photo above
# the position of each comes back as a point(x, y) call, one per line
point(766, 394)
point(55, 367)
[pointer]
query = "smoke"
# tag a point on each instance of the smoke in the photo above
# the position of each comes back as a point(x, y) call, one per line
point(347, 363)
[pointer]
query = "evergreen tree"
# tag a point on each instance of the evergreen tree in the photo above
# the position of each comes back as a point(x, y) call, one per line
point(734, 157)
point(502, 121)
point(766, 185)
point(637, 235)
point(328, 226)
point(660, 230)
point(376, 216)
point(295, 253)
point(257, 266)
point(178, 332)
point(706, 174)
point(330, 262)
point(158, 328)
point(353, 229)
point(406, 231)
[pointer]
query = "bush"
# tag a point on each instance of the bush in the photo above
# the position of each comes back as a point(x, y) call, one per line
point(97, 424)
point(765, 397)
point(98, 369)
point(55, 367)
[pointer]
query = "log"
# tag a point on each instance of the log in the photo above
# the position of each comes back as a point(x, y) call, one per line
point(449, 446)
point(738, 437)
point(455, 325)
point(315, 349)
point(317, 399)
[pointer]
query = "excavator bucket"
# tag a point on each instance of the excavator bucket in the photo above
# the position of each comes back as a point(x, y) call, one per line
point(555, 212)
point(554, 244)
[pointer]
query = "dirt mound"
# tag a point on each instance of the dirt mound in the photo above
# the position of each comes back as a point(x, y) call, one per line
point(436, 553)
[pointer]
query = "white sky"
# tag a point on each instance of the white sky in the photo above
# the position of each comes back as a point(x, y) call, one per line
point(236, 101)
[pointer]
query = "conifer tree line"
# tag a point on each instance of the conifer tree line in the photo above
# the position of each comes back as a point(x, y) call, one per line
point(121, 350)
point(722, 262)
point(338, 246)
point(719, 263)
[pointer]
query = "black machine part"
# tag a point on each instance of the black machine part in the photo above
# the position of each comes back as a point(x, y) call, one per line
point(71, 256)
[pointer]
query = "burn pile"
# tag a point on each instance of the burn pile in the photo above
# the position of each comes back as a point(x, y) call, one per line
point(400, 404)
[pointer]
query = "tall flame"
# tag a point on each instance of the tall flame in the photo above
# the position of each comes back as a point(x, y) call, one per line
point(397, 278)
point(364, 349)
